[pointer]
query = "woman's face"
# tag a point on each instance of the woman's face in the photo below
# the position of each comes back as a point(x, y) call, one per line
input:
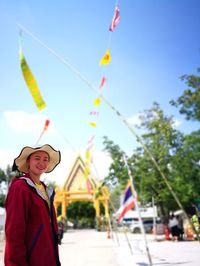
point(38, 162)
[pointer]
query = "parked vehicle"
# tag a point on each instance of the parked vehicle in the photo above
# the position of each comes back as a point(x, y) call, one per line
point(136, 228)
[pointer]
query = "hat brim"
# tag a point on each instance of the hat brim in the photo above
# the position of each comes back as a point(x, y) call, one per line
point(21, 160)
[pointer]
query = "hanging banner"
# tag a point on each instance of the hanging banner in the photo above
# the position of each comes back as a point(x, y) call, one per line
point(115, 20)
point(94, 113)
point(43, 131)
point(46, 124)
point(103, 81)
point(97, 101)
point(92, 124)
point(105, 60)
point(88, 159)
point(31, 83)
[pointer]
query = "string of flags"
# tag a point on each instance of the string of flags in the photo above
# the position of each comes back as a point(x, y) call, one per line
point(105, 60)
point(94, 113)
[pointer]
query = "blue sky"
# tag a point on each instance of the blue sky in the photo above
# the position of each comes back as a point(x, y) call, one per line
point(155, 43)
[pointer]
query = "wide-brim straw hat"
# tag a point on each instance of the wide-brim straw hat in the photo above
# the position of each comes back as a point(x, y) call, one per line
point(21, 160)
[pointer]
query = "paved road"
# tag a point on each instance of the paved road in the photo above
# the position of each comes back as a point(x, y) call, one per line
point(163, 253)
point(92, 248)
point(89, 248)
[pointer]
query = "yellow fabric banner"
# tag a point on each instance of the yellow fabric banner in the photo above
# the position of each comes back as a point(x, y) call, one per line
point(31, 83)
point(97, 101)
point(106, 58)
point(93, 124)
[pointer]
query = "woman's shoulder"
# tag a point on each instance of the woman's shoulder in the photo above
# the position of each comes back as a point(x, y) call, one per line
point(18, 192)
point(18, 183)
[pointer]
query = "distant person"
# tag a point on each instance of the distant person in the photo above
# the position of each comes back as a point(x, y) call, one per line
point(31, 226)
point(180, 227)
point(173, 227)
point(60, 231)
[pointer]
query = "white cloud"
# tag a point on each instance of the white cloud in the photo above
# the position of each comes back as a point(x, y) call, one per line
point(134, 120)
point(6, 158)
point(102, 161)
point(176, 123)
point(21, 121)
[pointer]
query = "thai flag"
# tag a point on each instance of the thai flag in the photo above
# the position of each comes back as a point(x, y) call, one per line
point(128, 202)
point(115, 20)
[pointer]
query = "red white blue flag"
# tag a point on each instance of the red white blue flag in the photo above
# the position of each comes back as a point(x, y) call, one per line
point(128, 201)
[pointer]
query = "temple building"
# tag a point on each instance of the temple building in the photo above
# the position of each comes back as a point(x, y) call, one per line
point(79, 188)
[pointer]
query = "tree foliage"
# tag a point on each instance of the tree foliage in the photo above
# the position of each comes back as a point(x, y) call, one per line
point(82, 214)
point(162, 142)
point(189, 101)
point(117, 166)
point(175, 154)
point(186, 168)
point(5, 178)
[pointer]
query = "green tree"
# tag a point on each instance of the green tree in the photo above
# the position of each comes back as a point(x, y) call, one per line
point(115, 199)
point(189, 101)
point(162, 141)
point(186, 169)
point(5, 178)
point(9, 174)
point(117, 171)
point(82, 214)
point(2, 175)
point(118, 176)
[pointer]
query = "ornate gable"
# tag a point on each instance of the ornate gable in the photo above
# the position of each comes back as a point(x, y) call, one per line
point(76, 180)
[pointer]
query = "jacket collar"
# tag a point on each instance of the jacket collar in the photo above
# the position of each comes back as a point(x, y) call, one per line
point(30, 182)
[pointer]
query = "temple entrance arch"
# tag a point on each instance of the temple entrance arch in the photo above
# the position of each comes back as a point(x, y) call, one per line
point(77, 188)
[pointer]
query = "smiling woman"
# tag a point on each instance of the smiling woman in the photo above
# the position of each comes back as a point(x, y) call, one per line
point(31, 227)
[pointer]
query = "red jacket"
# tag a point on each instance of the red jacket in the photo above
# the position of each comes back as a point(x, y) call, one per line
point(31, 227)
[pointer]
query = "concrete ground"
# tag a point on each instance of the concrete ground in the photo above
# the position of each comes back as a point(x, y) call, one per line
point(92, 248)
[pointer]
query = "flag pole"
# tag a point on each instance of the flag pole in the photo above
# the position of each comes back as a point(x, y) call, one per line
point(154, 219)
point(124, 231)
point(138, 210)
point(129, 244)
